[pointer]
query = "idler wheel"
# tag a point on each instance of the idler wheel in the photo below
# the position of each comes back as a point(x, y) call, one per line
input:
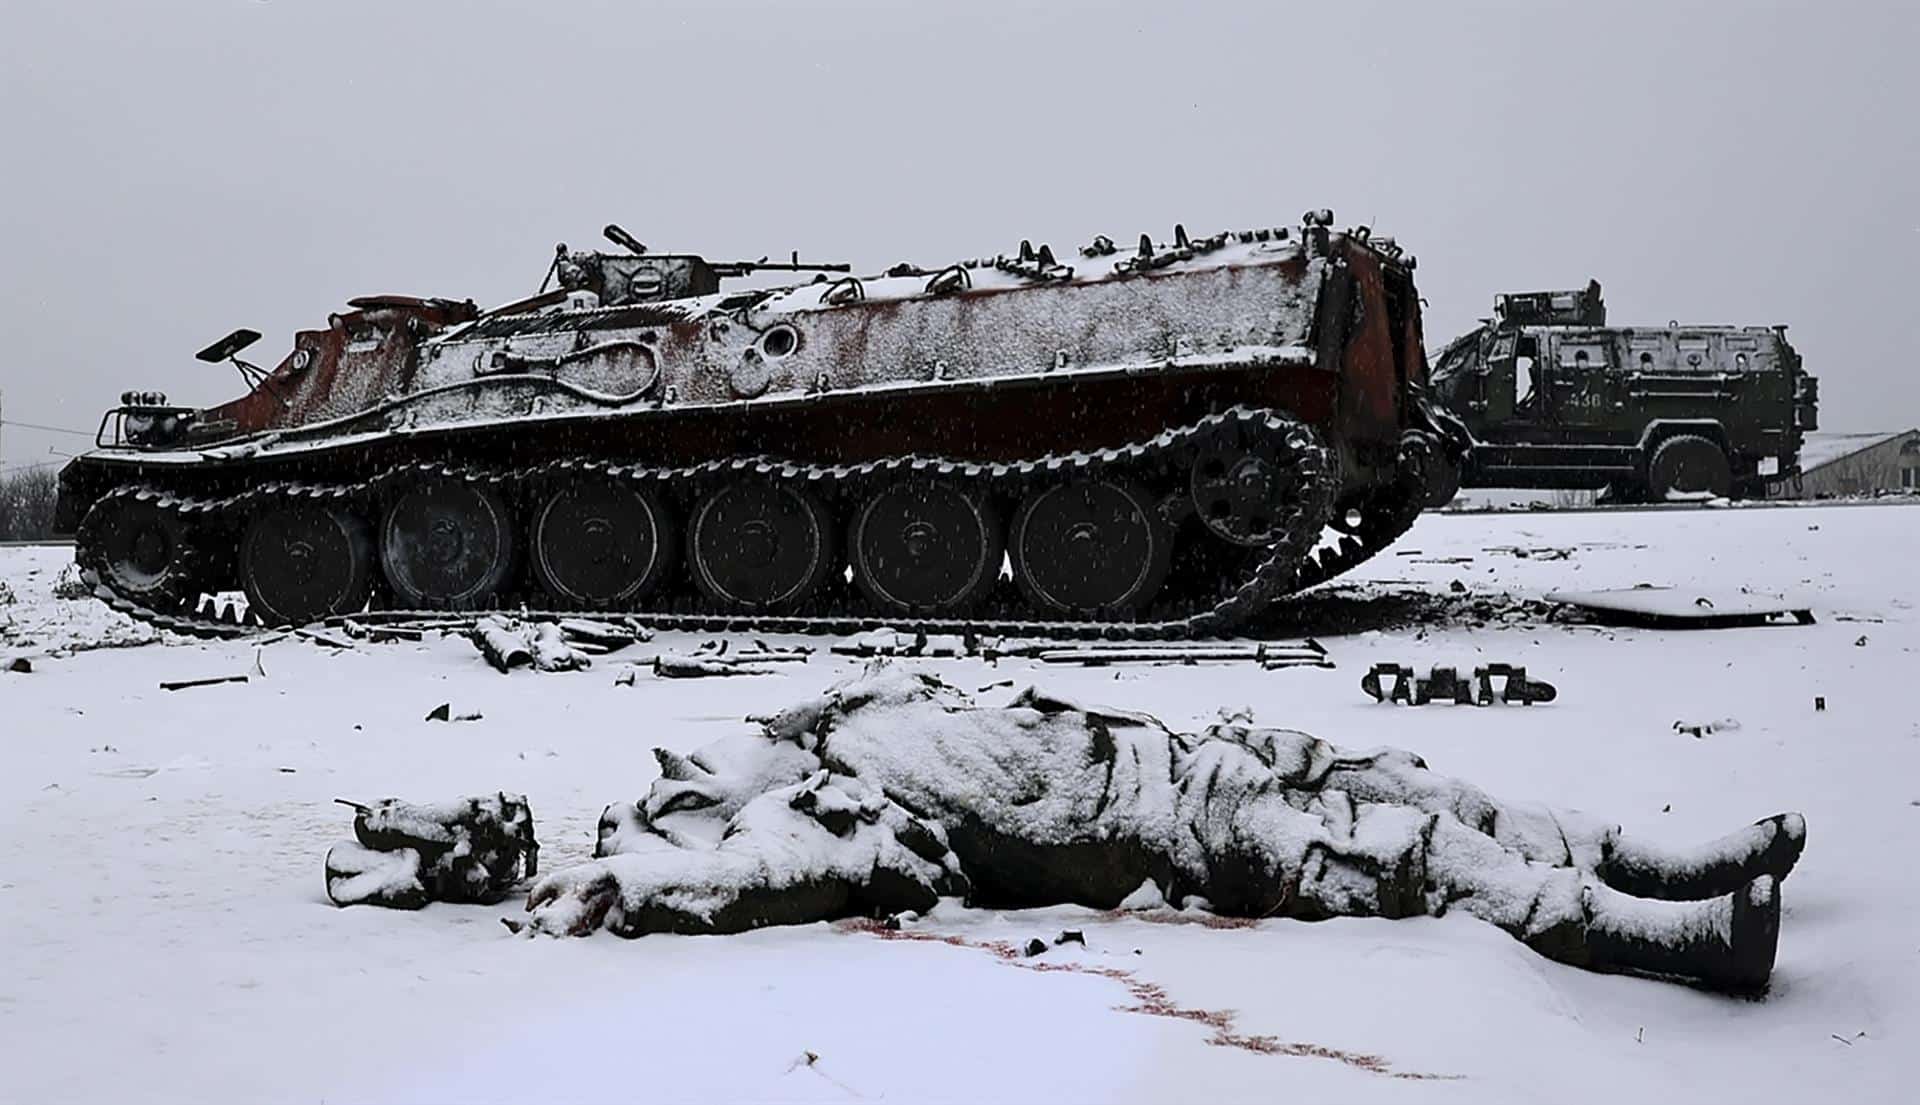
point(1089, 548)
point(757, 545)
point(304, 562)
point(601, 543)
point(145, 551)
point(925, 546)
point(446, 545)
point(1443, 480)
point(1246, 491)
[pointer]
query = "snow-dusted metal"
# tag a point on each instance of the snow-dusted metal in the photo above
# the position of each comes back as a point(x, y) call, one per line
point(1554, 397)
point(1181, 418)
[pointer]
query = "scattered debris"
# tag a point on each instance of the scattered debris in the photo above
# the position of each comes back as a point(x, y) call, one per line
point(893, 642)
point(673, 665)
point(1547, 552)
point(69, 585)
point(1819, 703)
point(380, 634)
point(997, 684)
point(551, 652)
point(6, 594)
point(1444, 684)
point(1070, 936)
point(1861, 1035)
point(508, 643)
point(763, 652)
point(444, 712)
point(1035, 947)
point(1670, 607)
point(405, 855)
point(183, 684)
point(319, 638)
point(1698, 729)
point(21, 664)
point(129, 773)
point(603, 637)
point(1862, 642)
point(716, 658)
point(502, 644)
point(624, 679)
point(1267, 654)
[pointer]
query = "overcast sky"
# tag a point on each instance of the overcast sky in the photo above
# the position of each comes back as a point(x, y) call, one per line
point(172, 171)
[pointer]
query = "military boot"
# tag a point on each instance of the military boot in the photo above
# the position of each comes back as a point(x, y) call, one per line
point(1720, 867)
point(1726, 943)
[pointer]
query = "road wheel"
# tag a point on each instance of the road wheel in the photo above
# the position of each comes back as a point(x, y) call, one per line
point(758, 545)
point(1089, 548)
point(304, 562)
point(1689, 465)
point(925, 547)
point(601, 543)
point(146, 551)
point(447, 545)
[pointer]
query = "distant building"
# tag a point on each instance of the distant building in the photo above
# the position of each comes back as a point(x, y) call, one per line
point(1838, 465)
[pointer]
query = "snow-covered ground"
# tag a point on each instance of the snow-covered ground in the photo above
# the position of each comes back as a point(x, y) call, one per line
point(168, 938)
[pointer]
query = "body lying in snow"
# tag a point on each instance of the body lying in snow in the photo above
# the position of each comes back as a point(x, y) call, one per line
point(894, 789)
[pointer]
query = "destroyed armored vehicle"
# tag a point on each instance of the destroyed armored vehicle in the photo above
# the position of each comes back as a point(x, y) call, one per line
point(1132, 441)
point(1556, 398)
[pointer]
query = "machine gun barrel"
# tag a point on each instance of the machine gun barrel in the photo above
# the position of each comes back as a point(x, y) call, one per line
point(742, 268)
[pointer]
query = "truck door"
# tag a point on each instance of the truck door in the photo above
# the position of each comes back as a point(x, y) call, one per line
point(1497, 395)
point(1530, 405)
point(1579, 385)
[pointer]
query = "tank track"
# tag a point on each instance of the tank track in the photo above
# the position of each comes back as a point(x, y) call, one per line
point(1381, 523)
point(1288, 565)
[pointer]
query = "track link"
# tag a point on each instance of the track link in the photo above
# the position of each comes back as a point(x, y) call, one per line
point(1289, 564)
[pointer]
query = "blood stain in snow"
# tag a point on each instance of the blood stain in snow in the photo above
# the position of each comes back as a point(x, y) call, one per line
point(1154, 1001)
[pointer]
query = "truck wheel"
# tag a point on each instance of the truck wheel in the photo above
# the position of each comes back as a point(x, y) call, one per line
point(1625, 492)
point(1689, 465)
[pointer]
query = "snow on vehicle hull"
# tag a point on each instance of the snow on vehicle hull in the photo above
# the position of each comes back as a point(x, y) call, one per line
point(1154, 442)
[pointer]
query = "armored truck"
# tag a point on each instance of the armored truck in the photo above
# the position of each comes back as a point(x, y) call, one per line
point(1554, 397)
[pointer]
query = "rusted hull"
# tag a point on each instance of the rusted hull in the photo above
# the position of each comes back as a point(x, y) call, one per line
point(1150, 444)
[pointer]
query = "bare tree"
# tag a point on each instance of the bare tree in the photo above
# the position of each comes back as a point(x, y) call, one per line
point(26, 504)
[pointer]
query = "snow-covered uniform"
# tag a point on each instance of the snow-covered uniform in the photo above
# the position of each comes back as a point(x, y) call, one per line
point(406, 854)
point(894, 788)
